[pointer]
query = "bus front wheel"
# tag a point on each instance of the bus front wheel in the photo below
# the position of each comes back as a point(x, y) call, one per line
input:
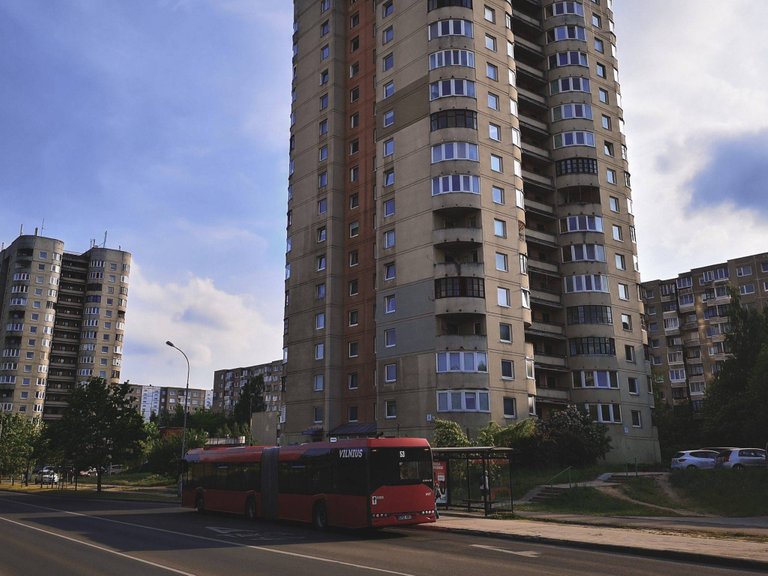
point(320, 516)
point(250, 509)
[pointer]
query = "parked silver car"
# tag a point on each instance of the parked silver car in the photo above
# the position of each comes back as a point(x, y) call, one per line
point(694, 459)
point(737, 458)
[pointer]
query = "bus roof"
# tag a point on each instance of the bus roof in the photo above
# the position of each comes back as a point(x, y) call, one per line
point(253, 453)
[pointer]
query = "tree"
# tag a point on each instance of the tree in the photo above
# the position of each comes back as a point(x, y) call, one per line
point(737, 399)
point(100, 426)
point(571, 438)
point(251, 400)
point(18, 439)
point(449, 433)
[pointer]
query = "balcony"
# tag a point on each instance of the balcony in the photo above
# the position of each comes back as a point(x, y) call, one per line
point(475, 269)
point(466, 342)
point(540, 237)
point(546, 298)
point(459, 305)
point(546, 330)
point(545, 362)
point(541, 180)
point(457, 236)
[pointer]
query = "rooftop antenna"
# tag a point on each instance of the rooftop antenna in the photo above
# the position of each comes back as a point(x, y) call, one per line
point(105, 239)
point(21, 229)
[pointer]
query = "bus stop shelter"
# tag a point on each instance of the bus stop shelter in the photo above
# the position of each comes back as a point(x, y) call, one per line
point(477, 478)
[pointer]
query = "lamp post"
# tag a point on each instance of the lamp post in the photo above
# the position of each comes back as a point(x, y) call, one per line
point(184, 425)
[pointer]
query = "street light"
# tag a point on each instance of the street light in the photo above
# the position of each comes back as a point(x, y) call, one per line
point(184, 425)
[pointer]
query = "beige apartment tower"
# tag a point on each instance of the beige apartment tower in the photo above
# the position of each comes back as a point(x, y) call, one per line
point(460, 242)
point(62, 322)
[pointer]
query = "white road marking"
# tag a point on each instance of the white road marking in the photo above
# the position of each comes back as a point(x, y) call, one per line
point(97, 547)
point(195, 536)
point(526, 553)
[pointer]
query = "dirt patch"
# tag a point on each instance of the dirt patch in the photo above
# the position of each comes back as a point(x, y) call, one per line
point(662, 481)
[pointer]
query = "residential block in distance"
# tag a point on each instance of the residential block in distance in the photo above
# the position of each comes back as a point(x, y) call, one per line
point(460, 237)
point(688, 323)
point(62, 322)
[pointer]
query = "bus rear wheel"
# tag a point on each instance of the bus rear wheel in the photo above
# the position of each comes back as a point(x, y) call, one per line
point(250, 509)
point(320, 516)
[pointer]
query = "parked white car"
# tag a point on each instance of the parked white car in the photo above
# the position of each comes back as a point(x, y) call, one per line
point(737, 458)
point(694, 459)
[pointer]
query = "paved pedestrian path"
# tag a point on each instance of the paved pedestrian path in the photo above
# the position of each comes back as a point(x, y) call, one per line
point(739, 542)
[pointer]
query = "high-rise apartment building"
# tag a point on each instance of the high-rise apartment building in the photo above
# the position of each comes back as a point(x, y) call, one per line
point(460, 238)
point(62, 322)
point(688, 321)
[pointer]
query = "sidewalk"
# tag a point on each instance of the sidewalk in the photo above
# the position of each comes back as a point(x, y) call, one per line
point(733, 542)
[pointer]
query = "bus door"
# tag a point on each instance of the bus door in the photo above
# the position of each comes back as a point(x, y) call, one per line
point(269, 463)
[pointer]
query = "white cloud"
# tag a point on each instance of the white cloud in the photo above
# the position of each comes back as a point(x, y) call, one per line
point(691, 75)
point(215, 329)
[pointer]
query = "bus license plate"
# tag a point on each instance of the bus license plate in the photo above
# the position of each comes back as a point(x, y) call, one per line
point(404, 517)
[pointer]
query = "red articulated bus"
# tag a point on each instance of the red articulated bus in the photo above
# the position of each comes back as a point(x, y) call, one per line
point(358, 483)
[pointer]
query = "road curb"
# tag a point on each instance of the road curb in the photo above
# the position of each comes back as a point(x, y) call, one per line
point(708, 559)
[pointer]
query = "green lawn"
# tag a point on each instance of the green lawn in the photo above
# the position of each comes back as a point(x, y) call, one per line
point(724, 492)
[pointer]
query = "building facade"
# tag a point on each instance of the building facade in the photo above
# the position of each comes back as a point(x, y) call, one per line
point(460, 238)
point(152, 400)
point(62, 322)
point(688, 323)
point(228, 383)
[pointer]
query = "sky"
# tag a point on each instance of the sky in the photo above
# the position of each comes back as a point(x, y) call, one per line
point(161, 127)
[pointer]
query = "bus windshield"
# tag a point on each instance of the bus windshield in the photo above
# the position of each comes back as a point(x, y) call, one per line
point(400, 466)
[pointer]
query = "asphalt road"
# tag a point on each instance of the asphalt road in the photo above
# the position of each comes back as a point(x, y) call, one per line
point(45, 535)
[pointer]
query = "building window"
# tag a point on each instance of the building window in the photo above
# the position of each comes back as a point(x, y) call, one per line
point(568, 111)
point(451, 87)
point(319, 321)
point(388, 35)
point(387, 8)
point(629, 353)
point(505, 332)
point(490, 42)
point(560, 33)
point(390, 338)
point(617, 233)
point(390, 373)
point(569, 84)
point(451, 58)
point(323, 153)
point(389, 239)
point(319, 351)
point(510, 408)
point(325, 28)
point(352, 318)
point(318, 382)
point(637, 421)
point(454, 151)
point(389, 207)
point(323, 101)
point(502, 297)
point(353, 258)
point(353, 287)
point(508, 369)
point(621, 263)
point(320, 261)
point(325, 52)
point(501, 262)
point(354, 120)
point(389, 271)
point(320, 291)
point(610, 176)
point(574, 138)
point(500, 228)
point(497, 195)
point(626, 322)
point(633, 386)
point(389, 62)
point(586, 283)
point(389, 147)
point(614, 204)
point(390, 409)
point(493, 101)
point(462, 401)
point(599, 46)
point(591, 346)
point(450, 27)
point(494, 132)
point(497, 163)
point(492, 71)
point(623, 292)
point(453, 119)
point(455, 183)
point(389, 89)
point(602, 95)
point(352, 382)
point(389, 118)
point(390, 304)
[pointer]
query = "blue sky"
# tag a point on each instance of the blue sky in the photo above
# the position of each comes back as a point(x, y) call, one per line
point(164, 124)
